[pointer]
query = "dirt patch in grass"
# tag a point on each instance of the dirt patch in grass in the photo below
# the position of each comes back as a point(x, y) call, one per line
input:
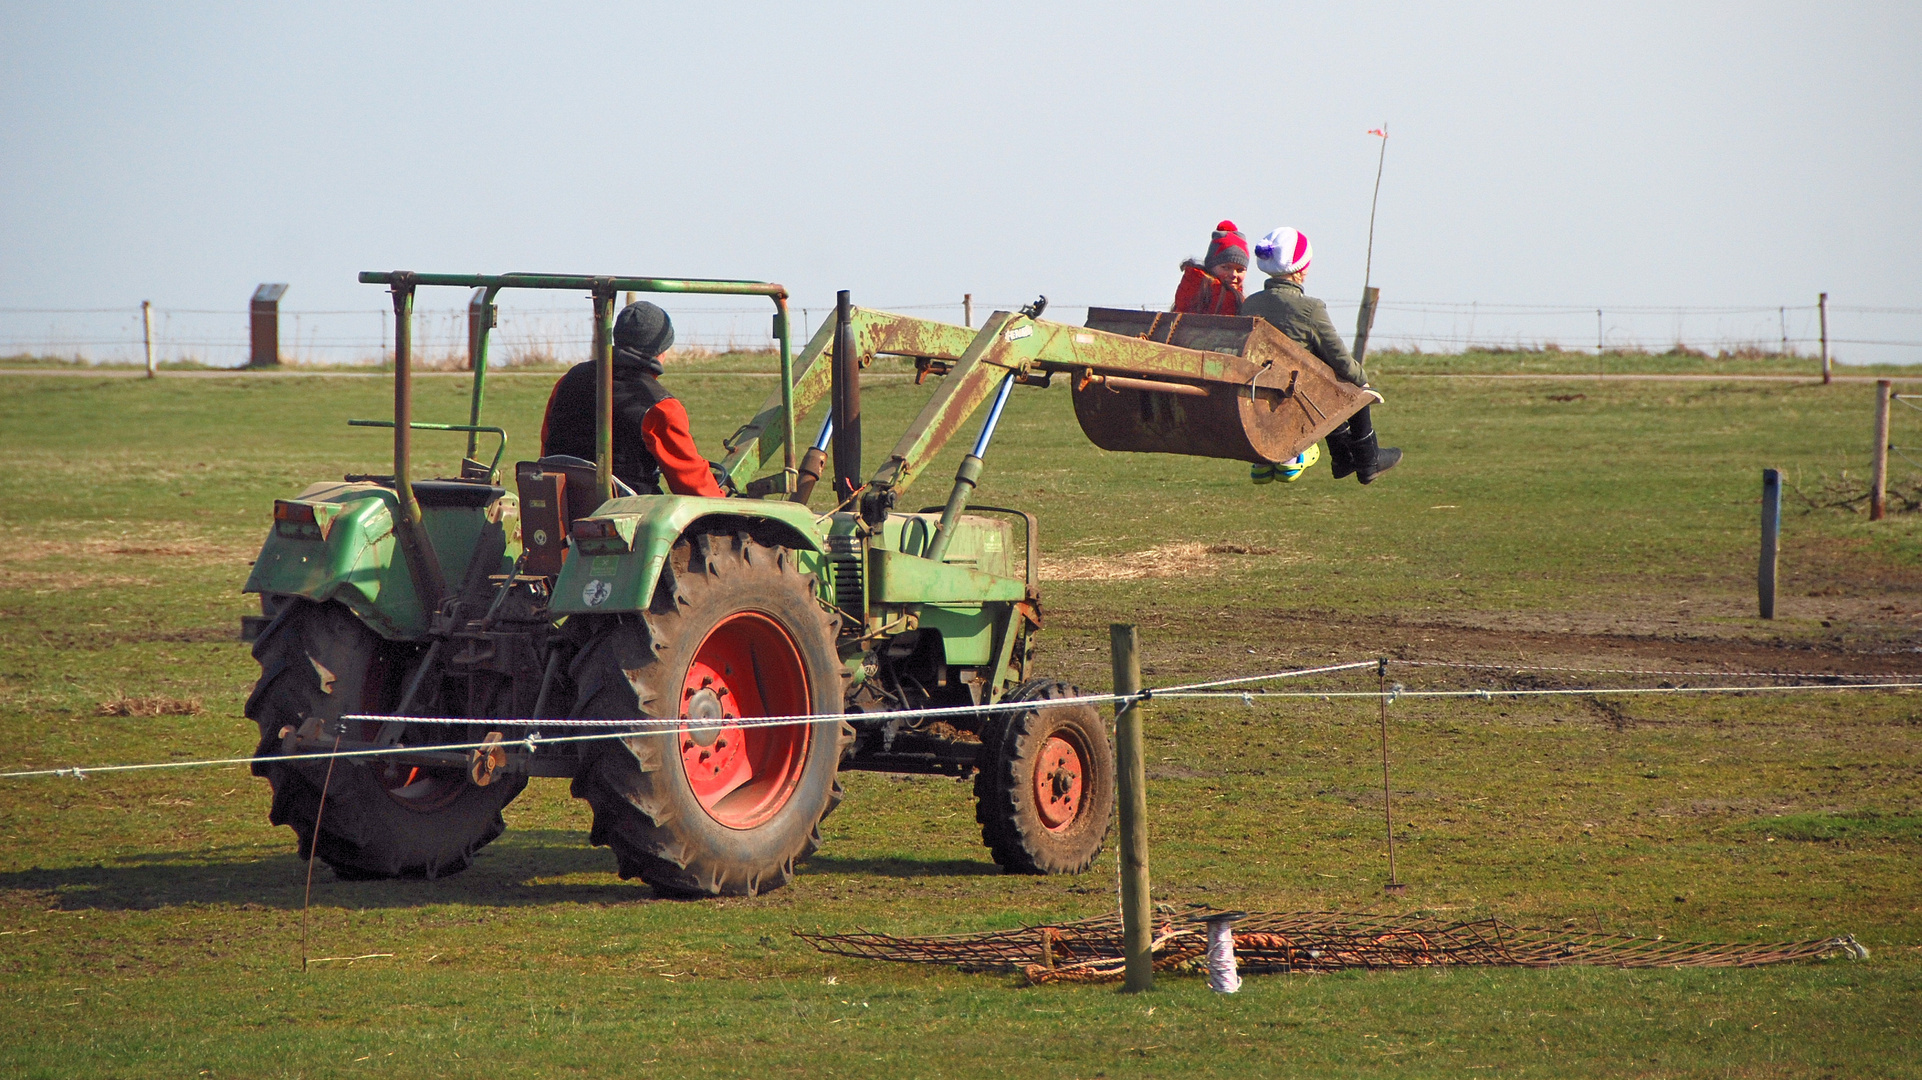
point(1267, 640)
point(48, 582)
point(106, 555)
point(1178, 560)
point(147, 541)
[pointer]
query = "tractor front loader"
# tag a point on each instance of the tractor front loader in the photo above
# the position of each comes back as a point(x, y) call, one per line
point(409, 616)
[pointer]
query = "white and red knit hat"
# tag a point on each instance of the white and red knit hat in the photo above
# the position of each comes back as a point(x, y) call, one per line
point(1284, 252)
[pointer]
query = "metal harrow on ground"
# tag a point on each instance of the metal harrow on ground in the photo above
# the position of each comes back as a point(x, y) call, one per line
point(1090, 950)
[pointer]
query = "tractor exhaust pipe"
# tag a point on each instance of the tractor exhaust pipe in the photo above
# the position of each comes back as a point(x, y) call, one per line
point(847, 403)
point(422, 564)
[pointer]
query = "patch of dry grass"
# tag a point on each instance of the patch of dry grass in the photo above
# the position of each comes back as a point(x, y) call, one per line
point(149, 705)
point(1184, 559)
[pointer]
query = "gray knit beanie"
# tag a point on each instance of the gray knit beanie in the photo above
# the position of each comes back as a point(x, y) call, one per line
point(644, 330)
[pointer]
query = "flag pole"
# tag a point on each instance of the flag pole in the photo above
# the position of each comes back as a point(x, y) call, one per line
point(1365, 318)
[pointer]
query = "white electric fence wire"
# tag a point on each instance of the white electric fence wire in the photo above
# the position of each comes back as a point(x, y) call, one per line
point(1296, 674)
point(648, 725)
point(1585, 691)
point(627, 728)
point(1636, 671)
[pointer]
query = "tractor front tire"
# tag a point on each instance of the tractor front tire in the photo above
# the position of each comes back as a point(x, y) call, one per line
point(382, 819)
point(718, 808)
point(1046, 786)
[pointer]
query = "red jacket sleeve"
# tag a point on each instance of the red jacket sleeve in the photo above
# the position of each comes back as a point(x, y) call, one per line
point(668, 439)
point(1200, 294)
point(1190, 294)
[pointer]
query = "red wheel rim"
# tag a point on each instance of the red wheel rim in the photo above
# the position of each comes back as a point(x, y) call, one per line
point(1058, 783)
point(747, 666)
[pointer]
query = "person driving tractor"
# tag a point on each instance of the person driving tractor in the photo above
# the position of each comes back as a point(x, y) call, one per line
point(652, 443)
point(1284, 254)
point(1213, 286)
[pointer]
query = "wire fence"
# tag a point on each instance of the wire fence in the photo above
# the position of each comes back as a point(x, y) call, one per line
point(561, 335)
point(527, 734)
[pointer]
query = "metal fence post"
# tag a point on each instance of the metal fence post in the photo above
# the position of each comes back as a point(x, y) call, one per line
point(1822, 306)
point(146, 335)
point(1771, 541)
point(1879, 471)
point(967, 310)
point(1137, 913)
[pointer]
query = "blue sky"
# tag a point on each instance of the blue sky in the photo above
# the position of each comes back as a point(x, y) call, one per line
point(1633, 153)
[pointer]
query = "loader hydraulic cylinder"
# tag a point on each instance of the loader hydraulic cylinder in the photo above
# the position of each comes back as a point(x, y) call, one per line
point(814, 462)
point(968, 475)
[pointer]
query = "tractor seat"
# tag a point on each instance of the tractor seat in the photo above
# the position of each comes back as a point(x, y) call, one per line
point(554, 491)
point(461, 493)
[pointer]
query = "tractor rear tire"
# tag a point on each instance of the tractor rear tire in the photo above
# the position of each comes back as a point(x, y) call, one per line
point(1046, 787)
point(382, 819)
point(721, 809)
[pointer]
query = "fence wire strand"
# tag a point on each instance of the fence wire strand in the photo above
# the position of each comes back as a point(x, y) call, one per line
point(531, 739)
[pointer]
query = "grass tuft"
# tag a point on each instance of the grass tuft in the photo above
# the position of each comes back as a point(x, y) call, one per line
point(1847, 825)
point(148, 705)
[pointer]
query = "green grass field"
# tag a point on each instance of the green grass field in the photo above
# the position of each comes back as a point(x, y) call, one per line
point(151, 924)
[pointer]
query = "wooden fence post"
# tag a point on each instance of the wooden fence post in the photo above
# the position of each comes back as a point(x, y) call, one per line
point(1879, 472)
point(1137, 913)
point(1365, 321)
point(146, 335)
point(1822, 306)
point(1771, 541)
point(967, 310)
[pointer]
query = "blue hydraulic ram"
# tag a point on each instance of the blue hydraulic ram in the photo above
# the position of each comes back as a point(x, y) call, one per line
point(968, 475)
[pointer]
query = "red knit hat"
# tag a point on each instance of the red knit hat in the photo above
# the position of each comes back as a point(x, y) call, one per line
point(1226, 246)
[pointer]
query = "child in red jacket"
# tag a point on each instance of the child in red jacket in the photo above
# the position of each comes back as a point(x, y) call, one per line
point(1213, 286)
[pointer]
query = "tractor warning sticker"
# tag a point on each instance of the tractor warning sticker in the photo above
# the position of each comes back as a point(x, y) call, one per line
point(595, 592)
point(1018, 333)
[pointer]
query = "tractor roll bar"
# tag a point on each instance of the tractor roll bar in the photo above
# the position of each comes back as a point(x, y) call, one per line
point(603, 289)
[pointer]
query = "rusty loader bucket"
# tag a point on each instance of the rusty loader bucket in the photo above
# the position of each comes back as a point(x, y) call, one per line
point(1269, 403)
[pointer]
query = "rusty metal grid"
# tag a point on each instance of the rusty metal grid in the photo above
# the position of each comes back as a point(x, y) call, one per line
point(1090, 950)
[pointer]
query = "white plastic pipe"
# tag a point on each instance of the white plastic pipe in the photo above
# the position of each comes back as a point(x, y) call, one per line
point(1222, 976)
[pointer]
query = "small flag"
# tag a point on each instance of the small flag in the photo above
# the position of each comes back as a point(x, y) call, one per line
point(1378, 131)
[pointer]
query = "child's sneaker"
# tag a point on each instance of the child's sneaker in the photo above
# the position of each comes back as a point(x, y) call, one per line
point(1290, 471)
point(1262, 473)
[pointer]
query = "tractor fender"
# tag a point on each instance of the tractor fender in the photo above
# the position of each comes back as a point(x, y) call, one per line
point(348, 553)
point(353, 562)
point(620, 573)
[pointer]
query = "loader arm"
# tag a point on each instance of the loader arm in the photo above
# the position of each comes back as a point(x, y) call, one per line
point(758, 443)
point(1209, 386)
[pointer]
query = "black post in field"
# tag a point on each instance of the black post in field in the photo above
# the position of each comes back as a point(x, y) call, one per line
point(1771, 537)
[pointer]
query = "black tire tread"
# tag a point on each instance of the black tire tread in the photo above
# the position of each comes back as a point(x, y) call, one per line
point(1018, 846)
point(358, 836)
point(623, 671)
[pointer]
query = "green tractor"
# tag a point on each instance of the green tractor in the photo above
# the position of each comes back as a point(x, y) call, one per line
point(455, 638)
